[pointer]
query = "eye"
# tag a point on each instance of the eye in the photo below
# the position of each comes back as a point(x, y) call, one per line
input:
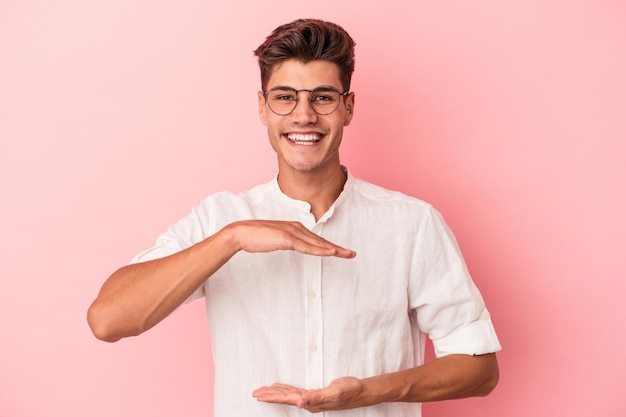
point(323, 97)
point(283, 97)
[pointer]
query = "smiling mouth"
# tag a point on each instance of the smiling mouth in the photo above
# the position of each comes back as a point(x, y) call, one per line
point(304, 138)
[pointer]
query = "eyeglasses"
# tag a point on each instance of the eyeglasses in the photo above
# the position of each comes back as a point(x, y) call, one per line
point(283, 100)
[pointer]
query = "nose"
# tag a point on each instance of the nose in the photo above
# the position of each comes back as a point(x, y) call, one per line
point(304, 113)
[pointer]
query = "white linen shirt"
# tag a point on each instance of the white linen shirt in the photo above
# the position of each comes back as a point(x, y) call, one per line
point(306, 320)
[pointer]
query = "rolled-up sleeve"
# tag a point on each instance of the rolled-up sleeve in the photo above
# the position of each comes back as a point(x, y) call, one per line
point(474, 338)
point(449, 306)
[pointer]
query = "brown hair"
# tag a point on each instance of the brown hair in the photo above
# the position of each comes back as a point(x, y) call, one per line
point(307, 40)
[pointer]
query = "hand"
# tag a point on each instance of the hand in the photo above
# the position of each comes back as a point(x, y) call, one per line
point(272, 235)
point(340, 394)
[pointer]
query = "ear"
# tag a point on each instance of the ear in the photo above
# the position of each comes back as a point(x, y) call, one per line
point(262, 108)
point(349, 103)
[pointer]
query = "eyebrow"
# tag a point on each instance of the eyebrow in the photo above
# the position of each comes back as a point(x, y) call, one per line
point(319, 87)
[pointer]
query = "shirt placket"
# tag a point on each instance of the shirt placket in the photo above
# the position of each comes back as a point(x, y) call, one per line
point(314, 320)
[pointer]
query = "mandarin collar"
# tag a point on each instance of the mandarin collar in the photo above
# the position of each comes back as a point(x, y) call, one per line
point(306, 207)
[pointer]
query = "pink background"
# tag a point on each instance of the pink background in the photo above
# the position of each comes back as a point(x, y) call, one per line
point(116, 117)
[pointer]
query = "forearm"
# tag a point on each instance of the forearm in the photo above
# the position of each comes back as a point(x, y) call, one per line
point(138, 296)
point(449, 377)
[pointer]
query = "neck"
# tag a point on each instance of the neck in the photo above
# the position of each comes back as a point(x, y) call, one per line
point(320, 191)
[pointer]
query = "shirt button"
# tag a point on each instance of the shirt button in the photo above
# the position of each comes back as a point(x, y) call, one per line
point(313, 347)
point(312, 294)
point(486, 315)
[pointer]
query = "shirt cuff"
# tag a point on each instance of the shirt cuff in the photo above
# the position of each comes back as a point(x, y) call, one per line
point(162, 249)
point(475, 338)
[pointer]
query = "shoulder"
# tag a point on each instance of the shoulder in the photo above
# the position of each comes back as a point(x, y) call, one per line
point(370, 193)
point(232, 200)
point(382, 207)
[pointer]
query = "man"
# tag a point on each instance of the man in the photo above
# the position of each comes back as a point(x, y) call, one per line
point(298, 321)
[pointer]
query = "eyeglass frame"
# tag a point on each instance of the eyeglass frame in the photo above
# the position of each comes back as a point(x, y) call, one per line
point(322, 87)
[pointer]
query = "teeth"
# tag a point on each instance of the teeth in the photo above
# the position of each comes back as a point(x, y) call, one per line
point(304, 139)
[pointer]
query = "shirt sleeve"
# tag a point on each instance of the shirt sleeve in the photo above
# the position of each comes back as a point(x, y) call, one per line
point(164, 246)
point(447, 303)
point(183, 234)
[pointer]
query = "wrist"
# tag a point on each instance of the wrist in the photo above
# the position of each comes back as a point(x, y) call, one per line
point(229, 238)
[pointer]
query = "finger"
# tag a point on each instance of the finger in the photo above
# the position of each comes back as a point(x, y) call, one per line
point(313, 244)
point(278, 388)
point(322, 249)
point(271, 235)
point(286, 387)
point(279, 394)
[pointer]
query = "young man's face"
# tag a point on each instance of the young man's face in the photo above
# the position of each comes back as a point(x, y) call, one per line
point(305, 141)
